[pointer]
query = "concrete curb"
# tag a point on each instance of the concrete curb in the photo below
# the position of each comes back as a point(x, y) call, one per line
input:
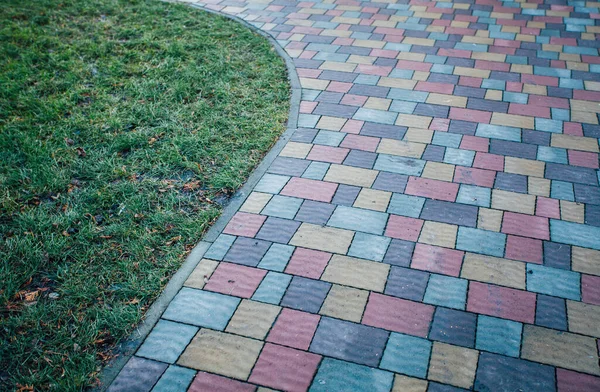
point(126, 349)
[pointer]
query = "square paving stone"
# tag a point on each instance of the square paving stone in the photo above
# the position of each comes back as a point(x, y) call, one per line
point(278, 230)
point(294, 329)
point(367, 246)
point(408, 384)
point(314, 212)
point(244, 224)
point(236, 280)
point(407, 283)
point(499, 336)
point(221, 353)
point(166, 341)
point(211, 382)
point(399, 253)
point(316, 170)
point(407, 355)
point(349, 341)
point(453, 365)
point(499, 373)
point(372, 222)
point(272, 288)
point(345, 303)
point(202, 308)
point(552, 281)
point(174, 379)
point(282, 207)
point(334, 375)
point(220, 247)
point(138, 375)
point(474, 195)
point(247, 251)
point(253, 319)
point(446, 291)
point(285, 368)
point(201, 273)
point(454, 327)
point(305, 294)
point(276, 257)
point(288, 166)
point(308, 263)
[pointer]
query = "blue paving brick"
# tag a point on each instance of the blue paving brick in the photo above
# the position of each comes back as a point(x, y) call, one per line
point(407, 95)
point(367, 246)
point(557, 255)
point(551, 312)
point(453, 327)
point(272, 288)
point(247, 251)
point(552, 154)
point(201, 308)
point(511, 182)
point(547, 125)
point(282, 207)
point(167, 341)
point(307, 120)
point(138, 375)
point(407, 355)
point(552, 281)
point(329, 138)
point(497, 373)
point(406, 205)
point(459, 157)
point(271, 183)
point(399, 253)
point(376, 116)
point(357, 219)
point(446, 291)
point(515, 97)
point(474, 195)
point(403, 106)
point(481, 241)
point(562, 190)
point(498, 132)
point(305, 294)
point(493, 84)
point(400, 165)
point(334, 375)
point(499, 336)
point(220, 247)
point(276, 257)
point(278, 230)
point(406, 283)
point(370, 80)
point(575, 234)
point(174, 379)
point(390, 182)
point(447, 139)
point(316, 170)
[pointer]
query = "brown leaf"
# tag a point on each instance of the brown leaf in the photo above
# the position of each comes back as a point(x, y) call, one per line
point(80, 152)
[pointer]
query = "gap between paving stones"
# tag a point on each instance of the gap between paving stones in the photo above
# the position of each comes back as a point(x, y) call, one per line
point(126, 349)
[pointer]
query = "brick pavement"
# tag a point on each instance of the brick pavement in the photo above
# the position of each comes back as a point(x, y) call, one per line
point(434, 223)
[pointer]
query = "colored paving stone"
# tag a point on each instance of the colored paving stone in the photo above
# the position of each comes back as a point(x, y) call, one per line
point(439, 196)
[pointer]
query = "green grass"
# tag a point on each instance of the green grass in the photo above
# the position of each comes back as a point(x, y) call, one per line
point(124, 126)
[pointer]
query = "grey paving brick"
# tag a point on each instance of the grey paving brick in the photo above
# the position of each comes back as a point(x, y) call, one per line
point(383, 130)
point(454, 327)
point(462, 127)
point(167, 341)
point(587, 194)
point(551, 312)
point(329, 97)
point(247, 251)
point(434, 153)
point(513, 149)
point(138, 375)
point(282, 207)
point(278, 230)
point(288, 166)
point(330, 109)
point(360, 158)
point(345, 195)
point(315, 212)
point(358, 219)
point(425, 109)
point(500, 373)
point(407, 283)
point(390, 182)
point(582, 175)
point(511, 182)
point(536, 137)
point(305, 294)
point(369, 91)
point(453, 213)
point(557, 255)
point(303, 135)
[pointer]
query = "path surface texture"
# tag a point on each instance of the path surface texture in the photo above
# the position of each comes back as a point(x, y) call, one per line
point(433, 223)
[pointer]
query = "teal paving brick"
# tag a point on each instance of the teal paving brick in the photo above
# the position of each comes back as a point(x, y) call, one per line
point(575, 234)
point(547, 125)
point(376, 116)
point(335, 375)
point(400, 165)
point(277, 257)
point(282, 207)
point(357, 219)
point(219, 248)
point(553, 281)
point(515, 97)
point(272, 288)
point(408, 95)
point(329, 138)
point(562, 190)
point(307, 120)
point(499, 336)
point(401, 73)
point(552, 154)
point(447, 139)
point(571, 83)
point(316, 170)
point(561, 114)
point(370, 80)
point(406, 205)
point(446, 291)
point(167, 341)
point(498, 132)
point(201, 308)
point(367, 246)
point(493, 84)
point(174, 379)
point(407, 355)
point(459, 157)
point(403, 106)
point(474, 195)
point(481, 241)
point(271, 183)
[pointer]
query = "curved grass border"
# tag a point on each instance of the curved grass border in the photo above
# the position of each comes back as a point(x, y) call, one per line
point(127, 348)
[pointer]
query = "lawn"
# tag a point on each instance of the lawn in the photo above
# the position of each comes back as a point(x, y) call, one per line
point(124, 128)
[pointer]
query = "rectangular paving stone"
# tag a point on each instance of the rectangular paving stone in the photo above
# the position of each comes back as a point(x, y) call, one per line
point(305, 294)
point(288, 166)
point(513, 149)
point(272, 288)
point(357, 273)
point(398, 315)
point(401, 148)
point(437, 259)
point(335, 375)
point(481, 241)
point(551, 312)
point(327, 239)
point(561, 349)
point(433, 189)
point(351, 175)
point(166, 341)
point(383, 130)
point(453, 327)
point(363, 159)
point(525, 225)
point(581, 175)
point(499, 336)
point(403, 228)
point(138, 374)
point(497, 373)
point(446, 291)
point(408, 384)
point(474, 195)
point(453, 213)
point(221, 353)
point(247, 251)
point(584, 318)
point(512, 201)
point(440, 234)
point(349, 341)
point(406, 354)
point(586, 260)
point(575, 234)
point(399, 165)
point(501, 302)
point(452, 365)
point(494, 270)
point(554, 282)
point(511, 182)
point(278, 230)
point(345, 303)
point(309, 189)
point(358, 219)
point(174, 379)
point(201, 308)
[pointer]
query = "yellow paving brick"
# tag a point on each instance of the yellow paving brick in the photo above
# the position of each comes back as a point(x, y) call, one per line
point(452, 365)
point(438, 171)
point(337, 66)
point(589, 85)
point(458, 23)
point(585, 106)
point(372, 199)
point(408, 384)
point(574, 142)
point(418, 135)
point(330, 123)
point(345, 303)
point(327, 239)
point(401, 148)
point(201, 273)
point(255, 202)
point(314, 84)
point(570, 57)
point(296, 150)
point(561, 349)
point(366, 43)
point(477, 40)
point(512, 120)
point(221, 353)
point(476, 73)
point(253, 319)
point(583, 318)
point(501, 15)
point(447, 100)
point(489, 219)
point(377, 103)
point(411, 56)
point(534, 89)
point(412, 120)
point(362, 274)
point(526, 167)
point(406, 84)
point(488, 269)
point(571, 211)
point(512, 201)
point(439, 234)
point(521, 68)
point(489, 56)
point(337, 33)
point(584, 117)
point(538, 186)
point(495, 95)
point(525, 38)
point(578, 66)
point(341, 19)
point(357, 59)
point(351, 175)
point(420, 75)
point(586, 260)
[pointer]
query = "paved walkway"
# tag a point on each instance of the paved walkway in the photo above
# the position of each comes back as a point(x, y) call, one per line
point(434, 223)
